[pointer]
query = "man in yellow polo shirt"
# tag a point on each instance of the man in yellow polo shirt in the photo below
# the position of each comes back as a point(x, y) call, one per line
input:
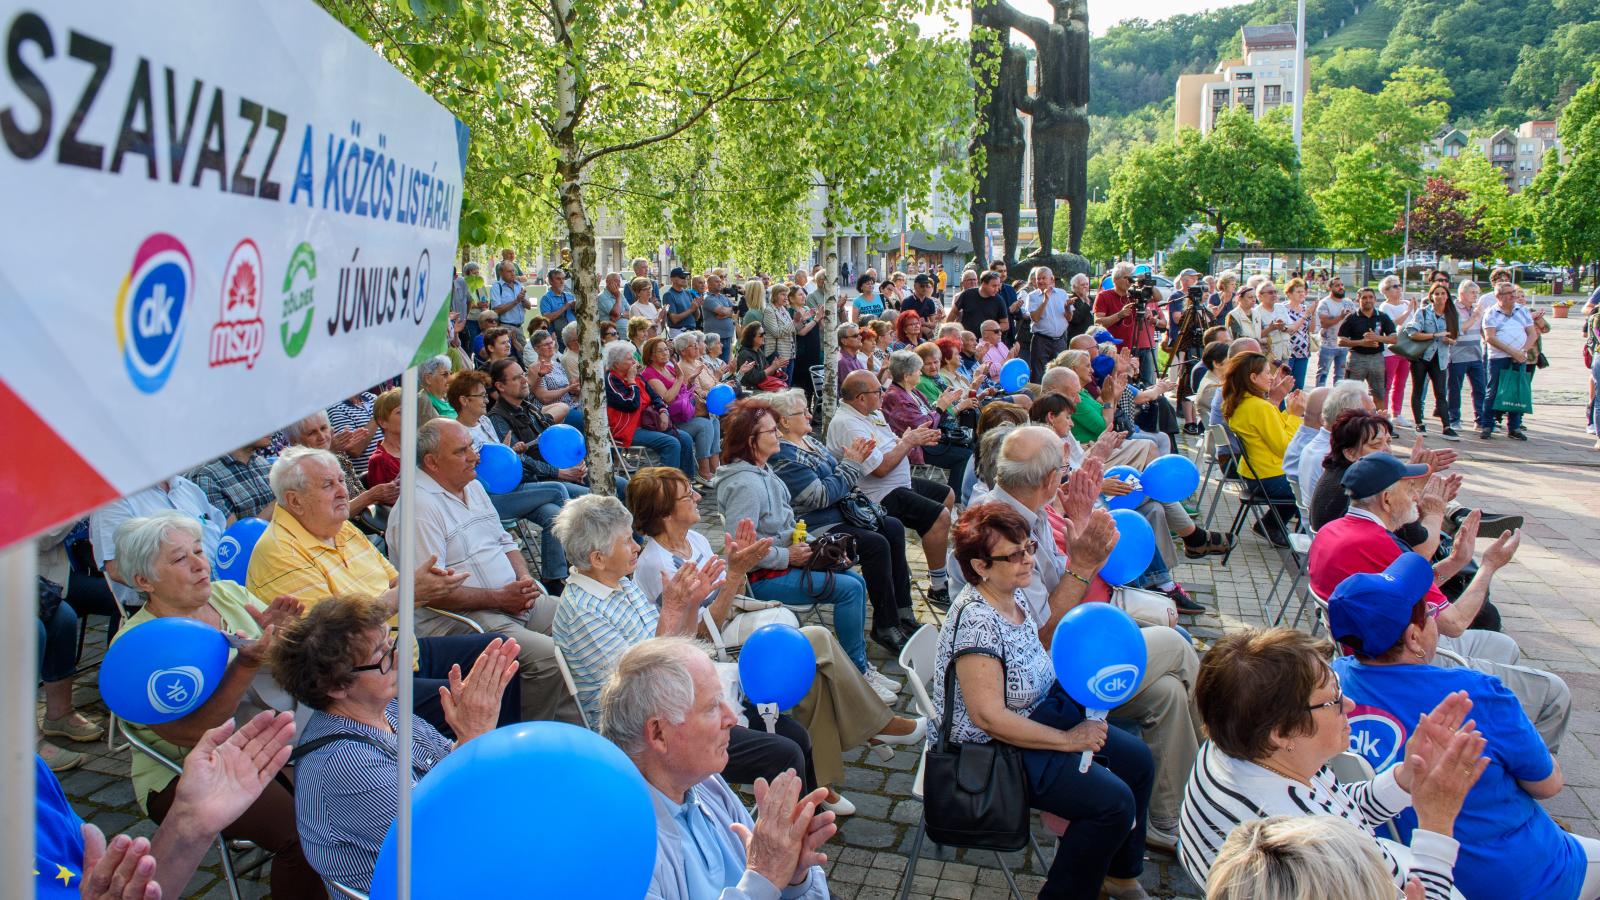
point(312, 551)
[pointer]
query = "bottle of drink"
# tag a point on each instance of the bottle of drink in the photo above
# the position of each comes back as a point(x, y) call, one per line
point(799, 532)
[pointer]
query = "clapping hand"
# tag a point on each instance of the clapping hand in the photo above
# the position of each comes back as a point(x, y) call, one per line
point(352, 441)
point(859, 450)
point(123, 871)
point(281, 611)
point(1106, 444)
point(1503, 549)
point(472, 705)
point(789, 833)
point(228, 769)
point(688, 586)
point(744, 548)
point(1442, 775)
point(1466, 536)
point(1077, 496)
point(921, 436)
point(435, 583)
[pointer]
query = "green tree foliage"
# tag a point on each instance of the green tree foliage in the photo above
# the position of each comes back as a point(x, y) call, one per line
point(1395, 121)
point(1547, 76)
point(1485, 187)
point(1360, 203)
point(1349, 67)
point(1562, 196)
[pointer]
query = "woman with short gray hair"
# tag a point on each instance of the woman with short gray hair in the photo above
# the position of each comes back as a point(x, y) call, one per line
point(162, 557)
point(434, 376)
point(552, 384)
point(636, 416)
point(905, 408)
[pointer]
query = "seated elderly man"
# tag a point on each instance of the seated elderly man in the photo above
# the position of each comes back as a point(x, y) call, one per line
point(1310, 427)
point(922, 505)
point(1343, 395)
point(456, 524)
point(176, 493)
point(236, 482)
point(311, 551)
point(602, 613)
point(1027, 477)
point(665, 708)
point(1383, 497)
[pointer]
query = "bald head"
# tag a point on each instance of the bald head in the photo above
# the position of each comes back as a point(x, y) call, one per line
point(1314, 400)
point(1063, 381)
point(1083, 341)
point(1030, 464)
point(856, 383)
point(1244, 345)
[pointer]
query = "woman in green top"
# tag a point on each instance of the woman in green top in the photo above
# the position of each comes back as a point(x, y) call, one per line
point(161, 556)
point(434, 374)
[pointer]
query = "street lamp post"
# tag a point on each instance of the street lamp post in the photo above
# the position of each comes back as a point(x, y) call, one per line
point(1301, 79)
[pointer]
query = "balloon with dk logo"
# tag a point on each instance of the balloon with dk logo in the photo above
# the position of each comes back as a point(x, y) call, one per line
point(718, 399)
point(1135, 547)
point(163, 669)
point(1133, 498)
point(602, 845)
point(1170, 478)
point(235, 548)
point(1099, 656)
point(499, 468)
point(777, 665)
point(1013, 375)
point(561, 446)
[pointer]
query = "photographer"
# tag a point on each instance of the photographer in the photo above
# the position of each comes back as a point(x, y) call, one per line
point(1126, 311)
point(1188, 321)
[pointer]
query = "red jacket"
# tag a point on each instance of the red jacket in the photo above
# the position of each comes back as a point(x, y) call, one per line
point(625, 409)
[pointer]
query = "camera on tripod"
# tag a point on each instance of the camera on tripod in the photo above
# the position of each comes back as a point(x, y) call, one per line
point(1143, 287)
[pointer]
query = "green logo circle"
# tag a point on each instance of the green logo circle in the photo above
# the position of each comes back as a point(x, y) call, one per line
point(299, 280)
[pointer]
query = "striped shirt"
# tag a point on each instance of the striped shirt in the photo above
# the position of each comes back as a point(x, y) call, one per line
point(347, 793)
point(594, 626)
point(346, 416)
point(1223, 792)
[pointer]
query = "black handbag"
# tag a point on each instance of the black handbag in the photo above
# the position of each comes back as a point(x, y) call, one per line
point(974, 795)
point(859, 510)
point(829, 554)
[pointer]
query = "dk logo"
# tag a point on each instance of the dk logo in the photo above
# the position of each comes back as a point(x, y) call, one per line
point(150, 310)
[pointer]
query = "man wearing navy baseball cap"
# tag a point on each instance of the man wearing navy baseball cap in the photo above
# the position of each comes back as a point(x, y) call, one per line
point(683, 304)
point(1509, 845)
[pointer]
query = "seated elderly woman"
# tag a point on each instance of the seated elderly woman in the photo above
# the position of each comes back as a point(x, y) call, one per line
point(757, 369)
point(1302, 858)
point(665, 709)
point(162, 558)
point(434, 374)
point(824, 496)
point(1252, 391)
point(1510, 846)
point(552, 386)
point(704, 371)
point(339, 660)
point(907, 332)
point(637, 416)
point(905, 407)
point(603, 612)
point(384, 464)
point(1005, 690)
point(316, 432)
point(845, 708)
point(1276, 715)
point(673, 385)
point(747, 487)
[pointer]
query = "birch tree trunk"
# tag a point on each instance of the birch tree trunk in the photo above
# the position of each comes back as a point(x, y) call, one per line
point(830, 312)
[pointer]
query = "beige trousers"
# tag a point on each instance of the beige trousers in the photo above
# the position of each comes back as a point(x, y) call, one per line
point(841, 711)
point(1164, 708)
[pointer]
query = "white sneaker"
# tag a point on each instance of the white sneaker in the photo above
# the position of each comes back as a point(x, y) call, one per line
point(1403, 422)
point(881, 682)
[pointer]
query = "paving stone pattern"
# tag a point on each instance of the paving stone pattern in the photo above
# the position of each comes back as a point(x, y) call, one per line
point(1547, 599)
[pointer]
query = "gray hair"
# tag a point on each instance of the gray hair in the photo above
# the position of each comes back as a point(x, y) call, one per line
point(848, 330)
point(539, 335)
point(786, 403)
point(1122, 270)
point(650, 681)
point(989, 451)
point(432, 366)
point(1389, 281)
point(712, 339)
point(1044, 269)
point(1468, 283)
point(687, 339)
point(1346, 394)
point(616, 352)
point(294, 431)
point(1073, 282)
point(903, 363)
point(569, 333)
point(1298, 858)
point(591, 524)
point(471, 267)
point(288, 473)
point(138, 541)
point(430, 433)
point(1027, 474)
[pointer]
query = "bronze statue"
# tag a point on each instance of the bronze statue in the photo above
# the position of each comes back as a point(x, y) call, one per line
point(1002, 91)
point(1059, 107)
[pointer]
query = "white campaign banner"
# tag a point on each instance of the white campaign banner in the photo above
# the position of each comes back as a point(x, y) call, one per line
point(220, 217)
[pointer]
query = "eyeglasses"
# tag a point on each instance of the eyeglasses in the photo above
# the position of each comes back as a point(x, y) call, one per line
point(481, 395)
point(385, 663)
point(1018, 555)
point(1338, 698)
point(760, 431)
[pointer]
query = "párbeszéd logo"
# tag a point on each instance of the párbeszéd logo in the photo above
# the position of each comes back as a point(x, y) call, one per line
point(151, 308)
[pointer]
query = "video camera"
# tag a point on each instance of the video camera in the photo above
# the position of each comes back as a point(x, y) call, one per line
point(1143, 287)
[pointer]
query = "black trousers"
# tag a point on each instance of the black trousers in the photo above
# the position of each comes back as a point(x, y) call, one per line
point(1424, 371)
point(1041, 352)
point(883, 568)
point(435, 656)
point(753, 753)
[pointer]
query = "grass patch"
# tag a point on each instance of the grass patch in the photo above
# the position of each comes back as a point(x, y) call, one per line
point(1370, 29)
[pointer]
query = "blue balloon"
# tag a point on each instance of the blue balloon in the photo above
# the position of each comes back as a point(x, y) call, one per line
point(1014, 375)
point(235, 548)
point(1099, 655)
point(718, 399)
point(561, 446)
point(602, 845)
point(163, 669)
point(1171, 478)
point(1106, 283)
point(777, 665)
point(499, 468)
point(1135, 547)
point(1130, 500)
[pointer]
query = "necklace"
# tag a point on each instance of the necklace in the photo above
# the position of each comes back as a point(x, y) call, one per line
point(1281, 773)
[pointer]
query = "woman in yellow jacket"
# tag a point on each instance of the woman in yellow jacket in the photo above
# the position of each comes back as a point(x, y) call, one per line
point(1252, 392)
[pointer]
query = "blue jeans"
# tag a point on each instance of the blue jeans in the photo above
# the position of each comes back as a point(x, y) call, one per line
point(1298, 366)
point(574, 418)
point(1331, 360)
point(675, 449)
point(848, 598)
point(1496, 366)
point(706, 434)
point(539, 502)
point(58, 645)
point(1469, 371)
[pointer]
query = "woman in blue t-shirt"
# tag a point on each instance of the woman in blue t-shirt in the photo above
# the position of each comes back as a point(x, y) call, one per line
point(867, 301)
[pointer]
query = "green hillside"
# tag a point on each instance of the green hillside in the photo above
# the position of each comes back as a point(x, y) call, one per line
point(1367, 30)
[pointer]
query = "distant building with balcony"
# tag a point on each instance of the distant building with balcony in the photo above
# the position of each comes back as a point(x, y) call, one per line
point(1262, 80)
point(1518, 153)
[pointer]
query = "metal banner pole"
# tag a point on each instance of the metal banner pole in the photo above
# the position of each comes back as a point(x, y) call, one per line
point(20, 665)
point(408, 619)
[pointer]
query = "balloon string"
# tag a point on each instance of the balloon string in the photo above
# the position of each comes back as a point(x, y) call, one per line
point(769, 715)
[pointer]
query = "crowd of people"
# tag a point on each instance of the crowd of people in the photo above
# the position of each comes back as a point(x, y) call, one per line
point(1223, 757)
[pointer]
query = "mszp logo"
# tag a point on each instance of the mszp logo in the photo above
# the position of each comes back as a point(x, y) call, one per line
point(151, 304)
point(239, 332)
point(1114, 684)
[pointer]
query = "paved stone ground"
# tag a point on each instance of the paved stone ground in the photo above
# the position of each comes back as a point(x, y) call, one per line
point(1546, 597)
